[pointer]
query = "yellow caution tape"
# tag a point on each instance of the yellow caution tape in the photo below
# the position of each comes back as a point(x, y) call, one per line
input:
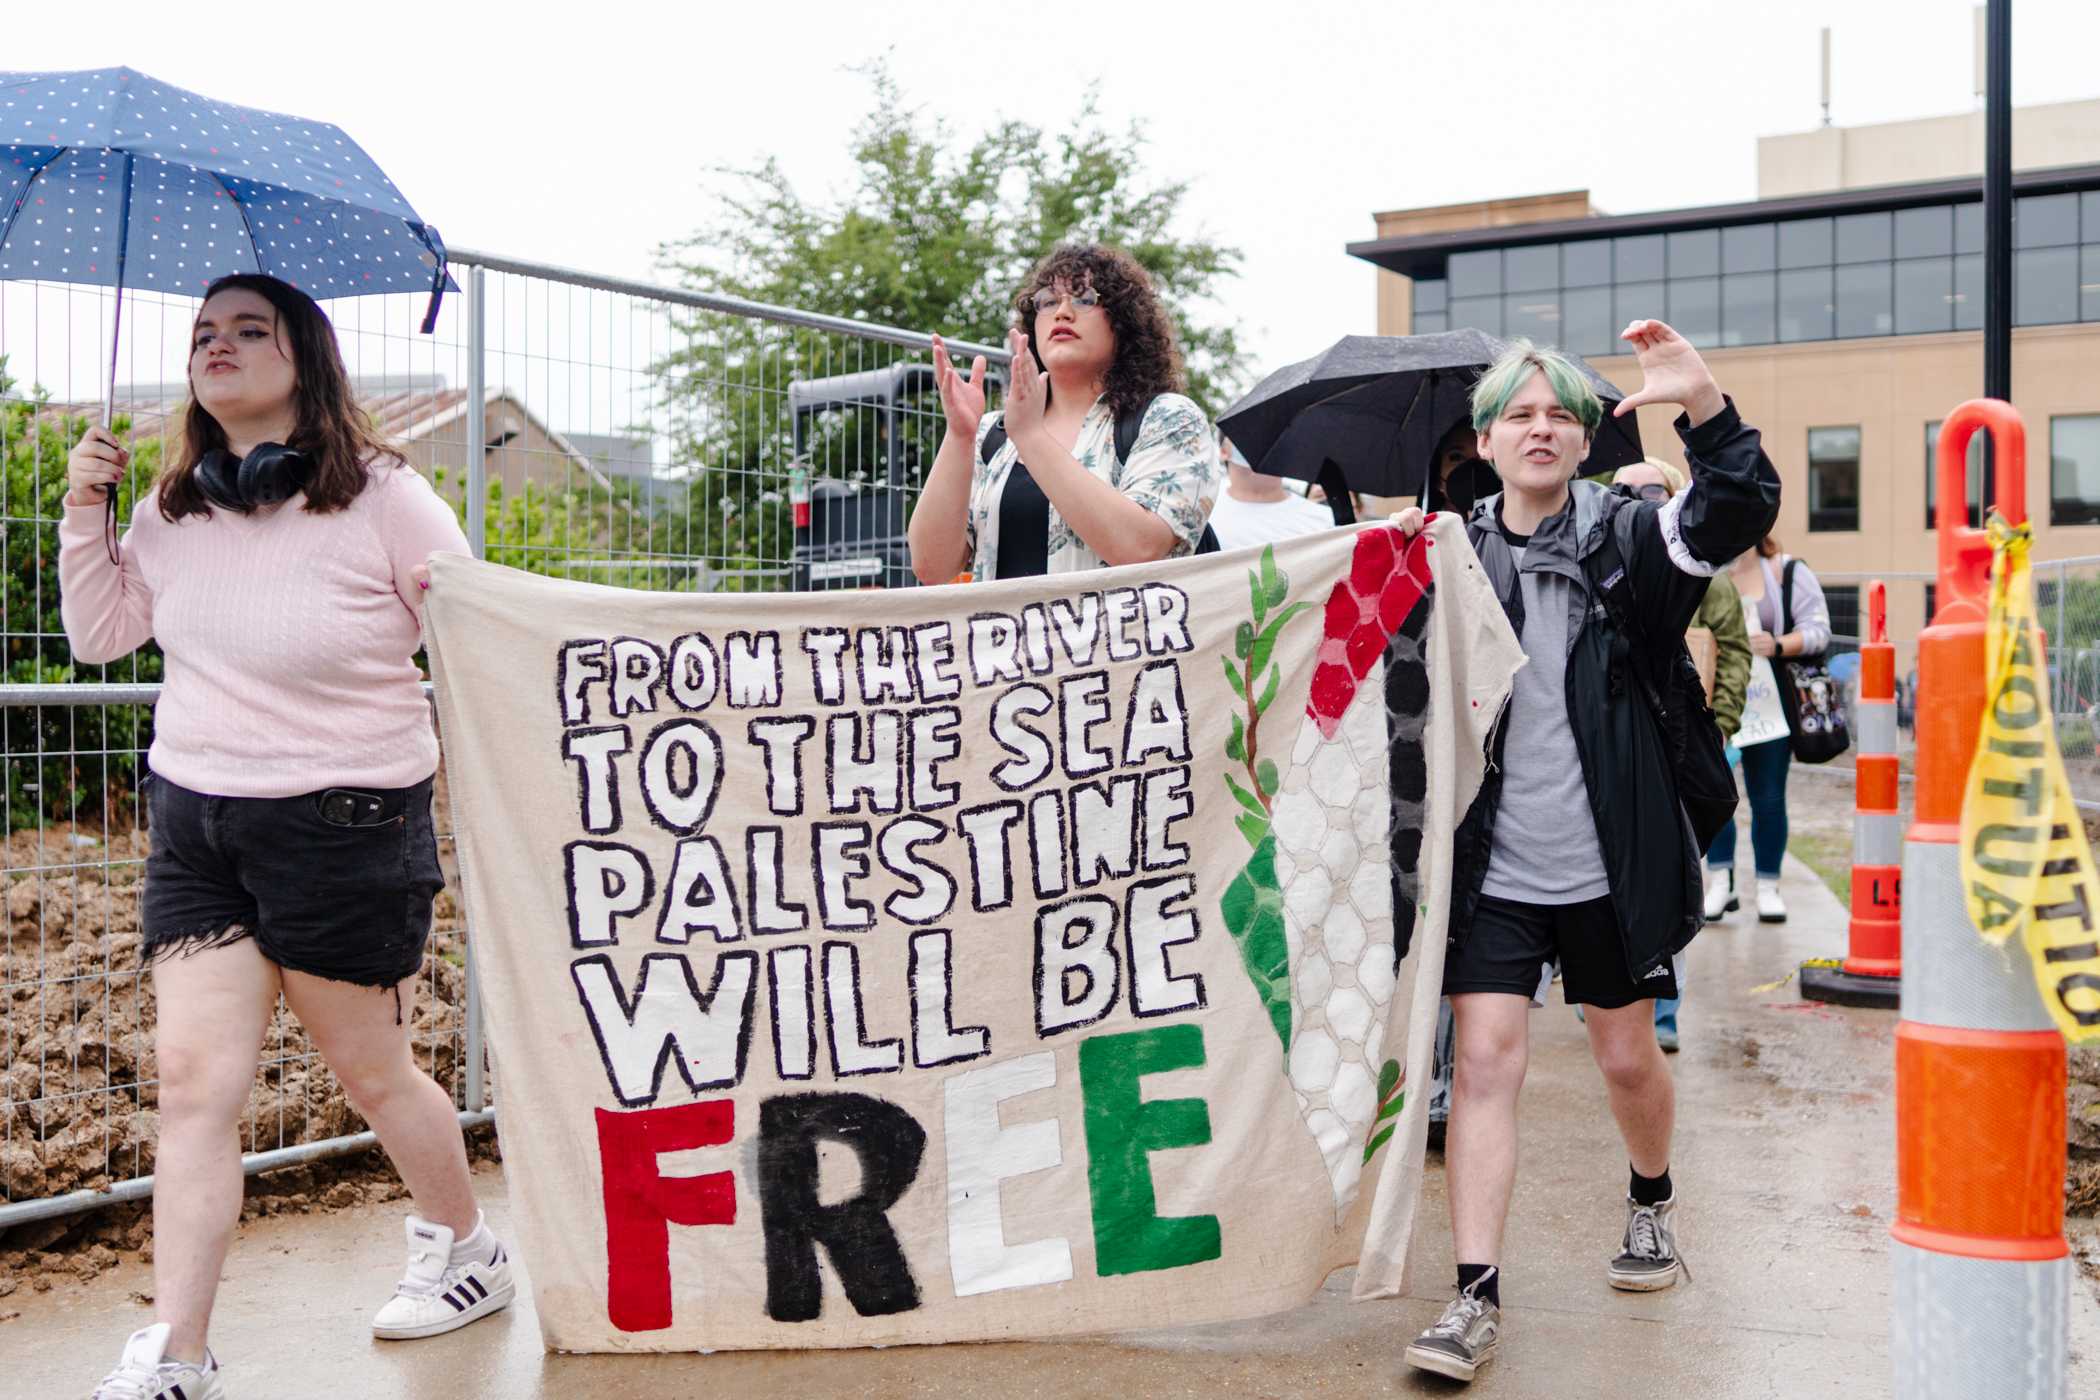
point(2026, 867)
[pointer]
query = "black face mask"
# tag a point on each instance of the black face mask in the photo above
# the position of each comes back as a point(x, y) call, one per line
point(269, 474)
point(1470, 481)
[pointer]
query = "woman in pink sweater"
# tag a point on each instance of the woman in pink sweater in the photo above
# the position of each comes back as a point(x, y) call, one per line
point(279, 563)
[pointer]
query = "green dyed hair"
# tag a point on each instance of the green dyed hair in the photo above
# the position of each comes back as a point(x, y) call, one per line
point(1496, 387)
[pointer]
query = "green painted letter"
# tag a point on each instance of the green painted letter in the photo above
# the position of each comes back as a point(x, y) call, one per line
point(1129, 1235)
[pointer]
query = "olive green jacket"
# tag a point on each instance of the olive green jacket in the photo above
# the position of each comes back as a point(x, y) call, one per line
point(1721, 612)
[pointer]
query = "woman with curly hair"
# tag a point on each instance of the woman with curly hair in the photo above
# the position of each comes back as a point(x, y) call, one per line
point(1092, 347)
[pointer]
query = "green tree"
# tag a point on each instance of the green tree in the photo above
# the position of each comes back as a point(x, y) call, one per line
point(63, 762)
point(935, 233)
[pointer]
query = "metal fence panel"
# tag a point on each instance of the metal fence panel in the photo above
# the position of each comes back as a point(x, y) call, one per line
point(2067, 599)
point(585, 427)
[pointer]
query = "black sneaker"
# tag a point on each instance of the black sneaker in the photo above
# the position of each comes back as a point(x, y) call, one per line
point(1648, 1260)
point(1462, 1340)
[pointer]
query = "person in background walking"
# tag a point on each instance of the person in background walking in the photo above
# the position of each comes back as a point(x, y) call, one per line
point(1256, 509)
point(1721, 614)
point(1757, 575)
point(1093, 357)
point(280, 564)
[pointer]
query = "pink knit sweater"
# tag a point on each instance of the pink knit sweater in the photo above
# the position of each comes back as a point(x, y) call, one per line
point(288, 635)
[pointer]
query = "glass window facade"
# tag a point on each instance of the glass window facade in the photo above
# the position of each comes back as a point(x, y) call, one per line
point(1865, 304)
point(1932, 476)
point(1902, 272)
point(2074, 469)
point(1749, 308)
point(1833, 479)
point(1843, 601)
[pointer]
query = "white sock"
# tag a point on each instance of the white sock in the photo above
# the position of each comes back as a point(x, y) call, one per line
point(479, 1246)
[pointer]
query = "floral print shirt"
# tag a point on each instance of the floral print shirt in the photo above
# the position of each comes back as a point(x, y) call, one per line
point(1173, 471)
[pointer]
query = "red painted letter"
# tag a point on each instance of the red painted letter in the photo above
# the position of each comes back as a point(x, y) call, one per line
point(641, 1203)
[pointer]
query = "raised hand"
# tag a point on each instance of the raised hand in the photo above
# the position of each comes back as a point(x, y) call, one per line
point(962, 399)
point(96, 461)
point(1028, 395)
point(1671, 372)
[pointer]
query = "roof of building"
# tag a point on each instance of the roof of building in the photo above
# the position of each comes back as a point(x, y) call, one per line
point(402, 415)
point(1422, 254)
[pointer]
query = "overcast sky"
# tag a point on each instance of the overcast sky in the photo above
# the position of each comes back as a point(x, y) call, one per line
point(586, 138)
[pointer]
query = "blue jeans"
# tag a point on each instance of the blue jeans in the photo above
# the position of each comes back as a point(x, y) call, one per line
point(1666, 1007)
point(1764, 782)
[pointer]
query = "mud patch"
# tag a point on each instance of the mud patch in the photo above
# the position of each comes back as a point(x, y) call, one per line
point(79, 1099)
point(2082, 1181)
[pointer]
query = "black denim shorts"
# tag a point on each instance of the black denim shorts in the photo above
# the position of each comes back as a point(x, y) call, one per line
point(1511, 942)
point(349, 903)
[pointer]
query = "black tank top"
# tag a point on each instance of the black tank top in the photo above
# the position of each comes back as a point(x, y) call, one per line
point(1024, 526)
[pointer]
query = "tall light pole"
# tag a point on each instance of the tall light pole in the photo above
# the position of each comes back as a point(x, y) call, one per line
point(1997, 201)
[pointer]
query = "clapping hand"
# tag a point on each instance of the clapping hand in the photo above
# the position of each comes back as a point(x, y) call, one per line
point(1671, 372)
point(962, 398)
point(1028, 395)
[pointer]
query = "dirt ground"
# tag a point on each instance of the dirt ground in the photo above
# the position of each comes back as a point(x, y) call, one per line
point(78, 1105)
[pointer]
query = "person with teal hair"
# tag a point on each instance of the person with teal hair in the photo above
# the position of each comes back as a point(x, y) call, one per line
point(1511, 375)
point(1566, 853)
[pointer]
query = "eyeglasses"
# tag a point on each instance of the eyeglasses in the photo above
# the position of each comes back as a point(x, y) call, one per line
point(1653, 491)
point(1082, 300)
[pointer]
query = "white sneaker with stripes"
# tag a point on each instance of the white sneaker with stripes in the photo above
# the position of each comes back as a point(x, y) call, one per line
point(145, 1373)
point(437, 1295)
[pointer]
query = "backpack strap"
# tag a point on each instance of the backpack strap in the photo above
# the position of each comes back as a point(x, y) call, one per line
point(994, 439)
point(1128, 426)
point(1786, 595)
point(1605, 568)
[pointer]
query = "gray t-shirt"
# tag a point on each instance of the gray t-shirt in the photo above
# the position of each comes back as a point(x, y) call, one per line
point(1544, 847)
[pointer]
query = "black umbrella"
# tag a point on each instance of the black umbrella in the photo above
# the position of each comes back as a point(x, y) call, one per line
point(1372, 409)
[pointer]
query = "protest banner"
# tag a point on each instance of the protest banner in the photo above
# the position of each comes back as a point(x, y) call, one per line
point(997, 960)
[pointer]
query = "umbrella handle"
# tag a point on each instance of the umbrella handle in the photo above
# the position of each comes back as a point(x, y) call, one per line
point(436, 244)
point(109, 403)
point(1337, 488)
point(116, 331)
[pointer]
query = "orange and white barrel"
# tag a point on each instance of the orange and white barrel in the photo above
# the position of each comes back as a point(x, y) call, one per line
point(1877, 819)
point(1982, 1269)
point(1868, 974)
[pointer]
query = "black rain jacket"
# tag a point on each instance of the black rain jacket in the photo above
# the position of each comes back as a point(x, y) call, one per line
point(1670, 550)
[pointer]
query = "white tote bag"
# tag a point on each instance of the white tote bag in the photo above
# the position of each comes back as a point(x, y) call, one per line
point(1764, 718)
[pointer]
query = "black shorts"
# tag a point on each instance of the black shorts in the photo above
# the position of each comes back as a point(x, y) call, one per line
point(1509, 944)
point(349, 903)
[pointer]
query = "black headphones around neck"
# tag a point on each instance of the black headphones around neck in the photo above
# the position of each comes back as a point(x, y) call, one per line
point(267, 475)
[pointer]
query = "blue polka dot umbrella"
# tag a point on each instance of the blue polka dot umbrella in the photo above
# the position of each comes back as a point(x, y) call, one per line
point(114, 179)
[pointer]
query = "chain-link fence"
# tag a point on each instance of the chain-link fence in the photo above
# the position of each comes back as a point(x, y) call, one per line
point(584, 427)
point(2067, 599)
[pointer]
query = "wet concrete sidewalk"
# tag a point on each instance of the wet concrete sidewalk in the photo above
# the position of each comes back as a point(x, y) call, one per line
point(1785, 1165)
